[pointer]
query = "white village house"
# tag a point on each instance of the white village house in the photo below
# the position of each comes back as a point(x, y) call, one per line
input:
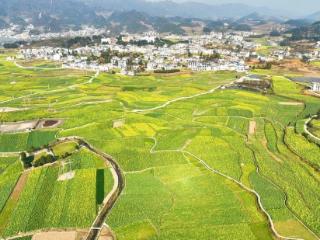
point(316, 87)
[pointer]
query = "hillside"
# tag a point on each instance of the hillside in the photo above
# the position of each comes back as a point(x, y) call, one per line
point(49, 16)
point(134, 21)
point(310, 32)
point(314, 17)
point(127, 15)
point(185, 9)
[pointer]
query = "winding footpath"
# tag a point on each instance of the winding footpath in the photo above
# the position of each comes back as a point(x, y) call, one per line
point(118, 175)
point(182, 99)
point(96, 75)
point(208, 167)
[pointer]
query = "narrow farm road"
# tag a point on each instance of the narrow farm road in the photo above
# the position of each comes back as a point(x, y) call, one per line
point(181, 99)
point(109, 200)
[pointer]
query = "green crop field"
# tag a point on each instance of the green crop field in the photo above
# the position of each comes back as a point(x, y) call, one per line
point(315, 63)
point(25, 141)
point(193, 164)
point(46, 202)
point(64, 148)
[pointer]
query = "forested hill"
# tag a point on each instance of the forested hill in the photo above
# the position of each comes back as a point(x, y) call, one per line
point(48, 15)
point(310, 32)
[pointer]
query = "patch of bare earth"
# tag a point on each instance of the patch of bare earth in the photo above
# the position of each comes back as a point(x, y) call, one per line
point(67, 176)
point(55, 235)
point(18, 126)
point(19, 186)
point(29, 125)
point(252, 127)
point(50, 123)
point(13, 198)
point(311, 93)
point(118, 123)
point(81, 234)
point(291, 103)
point(106, 234)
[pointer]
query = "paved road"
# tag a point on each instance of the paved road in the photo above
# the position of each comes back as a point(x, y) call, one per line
point(112, 197)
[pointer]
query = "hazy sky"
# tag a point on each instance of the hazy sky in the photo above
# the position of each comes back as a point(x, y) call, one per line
point(301, 7)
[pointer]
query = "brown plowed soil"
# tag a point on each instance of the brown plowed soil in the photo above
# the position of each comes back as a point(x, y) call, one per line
point(19, 186)
point(54, 235)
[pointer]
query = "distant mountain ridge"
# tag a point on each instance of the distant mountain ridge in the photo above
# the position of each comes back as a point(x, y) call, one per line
point(130, 15)
point(57, 15)
point(185, 9)
point(259, 17)
point(310, 32)
point(134, 21)
point(315, 17)
point(49, 15)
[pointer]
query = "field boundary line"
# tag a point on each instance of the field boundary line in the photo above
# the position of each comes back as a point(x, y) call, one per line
point(274, 231)
point(182, 99)
point(247, 189)
point(96, 75)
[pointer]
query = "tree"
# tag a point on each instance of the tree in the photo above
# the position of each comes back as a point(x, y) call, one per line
point(275, 33)
point(44, 160)
point(268, 65)
point(27, 161)
point(23, 156)
point(189, 53)
point(105, 56)
point(305, 59)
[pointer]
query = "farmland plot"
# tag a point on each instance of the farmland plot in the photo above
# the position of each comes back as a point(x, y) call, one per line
point(187, 157)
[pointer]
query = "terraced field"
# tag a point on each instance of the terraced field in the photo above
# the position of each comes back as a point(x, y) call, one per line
point(199, 161)
point(315, 127)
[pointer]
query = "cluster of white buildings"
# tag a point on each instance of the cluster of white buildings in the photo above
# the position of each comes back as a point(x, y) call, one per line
point(192, 52)
point(14, 33)
point(316, 86)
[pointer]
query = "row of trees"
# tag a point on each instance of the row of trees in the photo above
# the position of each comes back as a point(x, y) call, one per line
point(28, 161)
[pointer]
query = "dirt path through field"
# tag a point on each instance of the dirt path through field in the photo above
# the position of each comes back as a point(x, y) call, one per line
point(96, 75)
point(19, 186)
point(182, 99)
point(12, 200)
point(112, 197)
point(243, 186)
point(273, 156)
